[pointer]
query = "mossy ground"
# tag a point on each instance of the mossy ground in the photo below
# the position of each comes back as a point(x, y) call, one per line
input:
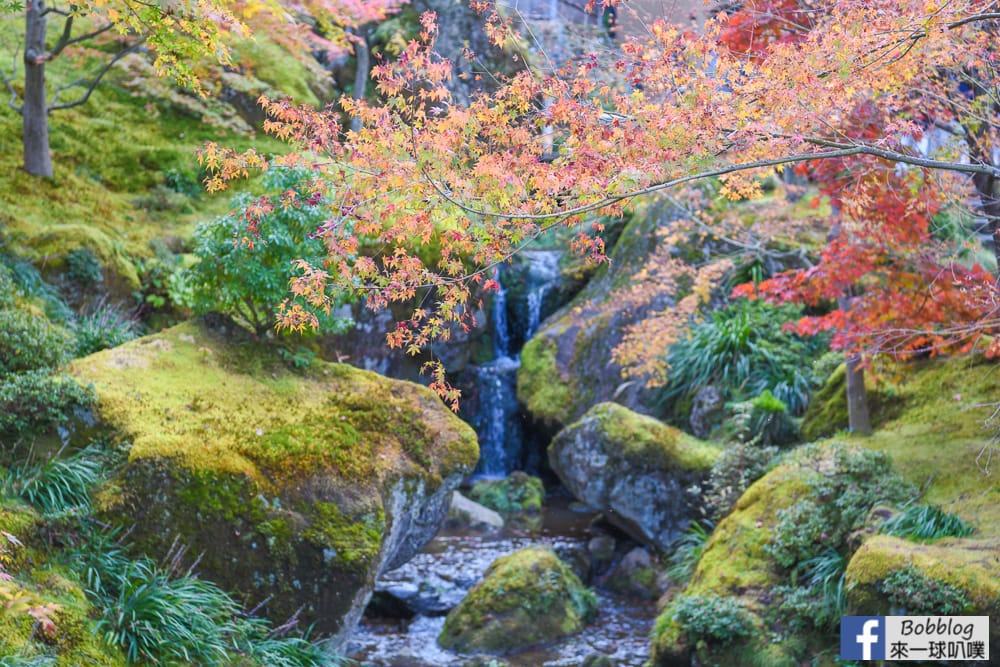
point(526, 598)
point(111, 157)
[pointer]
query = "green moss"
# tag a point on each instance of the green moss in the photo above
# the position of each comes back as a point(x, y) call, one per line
point(351, 542)
point(274, 66)
point(966, 564)
point(827, 410)
point(540, 385)
point(517, 493)
point(525, 598)
point(648, 443)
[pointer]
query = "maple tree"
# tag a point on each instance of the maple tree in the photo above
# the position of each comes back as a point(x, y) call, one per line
point(774, 86)
point(179, 35)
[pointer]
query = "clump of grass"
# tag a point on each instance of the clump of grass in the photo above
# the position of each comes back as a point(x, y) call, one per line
point(57, 484)
point(926, 523)
point(688, 549)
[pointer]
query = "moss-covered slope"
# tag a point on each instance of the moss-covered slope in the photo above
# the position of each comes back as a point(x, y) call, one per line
point(301, 486)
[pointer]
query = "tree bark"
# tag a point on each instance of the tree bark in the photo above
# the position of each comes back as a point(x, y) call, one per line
point(362, 53)
point(858, 419)
point(989, 200)
point(37, 155)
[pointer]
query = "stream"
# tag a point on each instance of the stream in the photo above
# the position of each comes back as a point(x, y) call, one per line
point(454, 561)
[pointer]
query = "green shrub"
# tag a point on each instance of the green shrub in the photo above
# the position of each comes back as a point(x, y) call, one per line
point(28, 341)
point(926, 523)
point(103, 326)
point(57, 484)
point(712, 618)
point(83, 267)
point(911, 593)
point(837, 504)
point(735, 469)
point(249, 281)
point(743, 350)
point(820, 602)
point(34, 401)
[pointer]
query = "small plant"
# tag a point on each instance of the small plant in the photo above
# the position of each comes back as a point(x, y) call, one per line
point(688, 549)
point(102, 327)
point(712, 618)
point(83, 267)
point(821, 602)
point(926, 523)
point(29, 341)
point(739, 466)
point(912, 593)
point(34, 401)
point(57, 484)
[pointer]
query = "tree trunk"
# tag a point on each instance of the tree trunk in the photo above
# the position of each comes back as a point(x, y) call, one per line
point(362, 53)
point(37, 157)
point(989, 199)
point(858, 418)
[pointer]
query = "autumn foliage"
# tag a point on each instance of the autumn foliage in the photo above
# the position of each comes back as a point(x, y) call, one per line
point(429, 194)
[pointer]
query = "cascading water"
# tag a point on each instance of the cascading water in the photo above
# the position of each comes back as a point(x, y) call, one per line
point(496, 417)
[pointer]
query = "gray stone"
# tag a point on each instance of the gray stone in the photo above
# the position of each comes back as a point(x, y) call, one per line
point(470, 514)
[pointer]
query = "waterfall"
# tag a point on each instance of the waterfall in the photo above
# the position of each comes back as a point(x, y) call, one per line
point(496, 415)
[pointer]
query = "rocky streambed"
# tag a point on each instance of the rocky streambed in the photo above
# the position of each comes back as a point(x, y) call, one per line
point(402, 624)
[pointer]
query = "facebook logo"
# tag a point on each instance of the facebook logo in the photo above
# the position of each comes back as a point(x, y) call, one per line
point(862, 637)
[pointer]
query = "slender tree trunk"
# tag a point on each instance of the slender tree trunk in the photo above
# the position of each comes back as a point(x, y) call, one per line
point(989, 199)
point(362, 53)
point(858, 418)
point(37, 156)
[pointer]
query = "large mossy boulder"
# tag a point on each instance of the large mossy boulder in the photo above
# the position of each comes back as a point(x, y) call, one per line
point(293, 489)
point(527, 598)
point(567, 367)
point(641, 473)
point(952, 576)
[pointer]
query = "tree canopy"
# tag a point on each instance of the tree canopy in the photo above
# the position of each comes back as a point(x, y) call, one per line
point(891, 106)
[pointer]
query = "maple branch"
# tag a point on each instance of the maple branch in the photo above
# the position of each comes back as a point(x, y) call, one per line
point(988, 16)
point(65, 40)
point(9, 83)
point(841, 150)
point(93, 83)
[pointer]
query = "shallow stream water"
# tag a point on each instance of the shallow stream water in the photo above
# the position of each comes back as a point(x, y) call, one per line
point(455, 560)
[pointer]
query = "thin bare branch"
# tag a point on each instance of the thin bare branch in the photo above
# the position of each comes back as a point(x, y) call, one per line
point(9, 82)
point(92, 84)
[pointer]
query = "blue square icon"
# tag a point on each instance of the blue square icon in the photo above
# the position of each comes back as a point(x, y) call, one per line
point(862, 637)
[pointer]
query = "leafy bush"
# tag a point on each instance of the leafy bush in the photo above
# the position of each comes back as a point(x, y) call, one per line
point(249, 281)
point(56, 484)
point(28, 341)
point(688, 549)
point(34, 401)
point(820, 602)
point(102, 327)
point(743, 350)
point(735, 469)
point(926, 523)
point(838, 502)
point(712, 618)
point(83, 267)
point(911, 593)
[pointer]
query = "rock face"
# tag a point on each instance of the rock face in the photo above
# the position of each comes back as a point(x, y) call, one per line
point(470, 514)
point(635, 469)
point(296, 488)
point(526, 598)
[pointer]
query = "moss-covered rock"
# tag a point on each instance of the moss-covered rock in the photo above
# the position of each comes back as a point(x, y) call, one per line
point(519, 492)
point(527, 598)
point(635, 469)
point(566, 367)
point(296, 488)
